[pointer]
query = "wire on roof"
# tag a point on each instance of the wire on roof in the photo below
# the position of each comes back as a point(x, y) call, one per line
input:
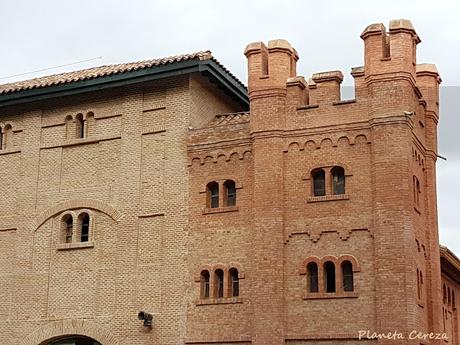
point(50, 68)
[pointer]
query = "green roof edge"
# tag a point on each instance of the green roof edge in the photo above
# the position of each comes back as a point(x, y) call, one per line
point(132, 77)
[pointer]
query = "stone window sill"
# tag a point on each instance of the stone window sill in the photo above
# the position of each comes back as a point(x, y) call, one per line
point(328, 198)
point(214, 301)
point(329, 295)
point(220, 209)
point(76, 245)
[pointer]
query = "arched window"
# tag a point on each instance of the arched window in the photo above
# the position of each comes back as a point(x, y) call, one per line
point(84, 221)
point(312, 277)
point(230, 193)
point(329, 276)
point(444, 294)
point(90, 122)
point(68, 127)
point(417, 191)
point(205, 284)
point(234, 282)
point(347, 276)
point(319, 182)
point(219, 280)
point(213, 194)
point(338, 180)
point(67, 227)
point(80, 126)
point(418, 284)
point(1, 138)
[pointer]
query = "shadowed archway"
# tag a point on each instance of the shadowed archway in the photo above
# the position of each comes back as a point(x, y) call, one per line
point(72, 340)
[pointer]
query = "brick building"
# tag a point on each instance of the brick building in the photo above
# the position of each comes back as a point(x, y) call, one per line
point(280, 214)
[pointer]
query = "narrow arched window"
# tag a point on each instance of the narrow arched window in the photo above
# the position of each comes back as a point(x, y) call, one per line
point(1, 138)
point(319, 182)
point(68, 127)
point(84, 235)
point(67, 226)
point(329, 276)
point(204, 284)
point(444, 294)
point(80, 126)
point(234, 282)
point(347, 276)
point(90, 124)
point(338, 180)
point(418, 284)
point(312, 277)
point(219, 281)
point(230, 193)
point(417, 191)
point(213, 195)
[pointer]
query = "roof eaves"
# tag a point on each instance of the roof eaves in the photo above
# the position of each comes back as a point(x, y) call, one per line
point(131, 76)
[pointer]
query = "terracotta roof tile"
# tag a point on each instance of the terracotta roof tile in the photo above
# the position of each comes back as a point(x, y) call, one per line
point(103, 71)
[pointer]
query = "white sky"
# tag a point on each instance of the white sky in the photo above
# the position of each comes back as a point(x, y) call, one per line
point(40, 34)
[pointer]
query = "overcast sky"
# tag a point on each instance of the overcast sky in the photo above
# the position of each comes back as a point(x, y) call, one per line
point(39, 34)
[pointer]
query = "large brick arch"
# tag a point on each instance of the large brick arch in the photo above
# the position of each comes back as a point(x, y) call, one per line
point(78, 203)
point(55, 329)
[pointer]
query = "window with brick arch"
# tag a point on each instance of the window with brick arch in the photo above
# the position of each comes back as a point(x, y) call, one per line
point(80, 126)
point(204, 279)
point(67, 228)
point(338, 180)
point(213, 194)
point(418, 284)
point(230, 193)
point(219, 279)
point(347, 276)
point(234, 282)
point(417, 191)
point(84, 230)
point(319, 182)
point(312, 277)
point(329, 276)
point(444, 294)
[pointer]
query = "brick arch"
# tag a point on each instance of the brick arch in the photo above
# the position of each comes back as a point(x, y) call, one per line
point(70, 327)
point(352, 259)
point(303, 267)
point(78, 203)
